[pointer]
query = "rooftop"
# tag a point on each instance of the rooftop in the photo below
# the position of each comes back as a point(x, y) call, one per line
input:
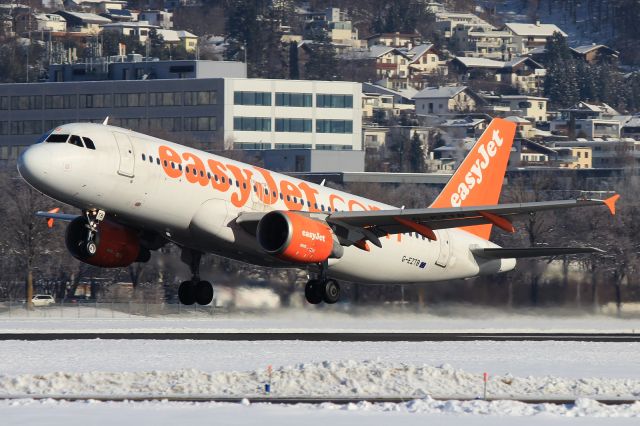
point(87, 17)
point(540, 30)
point(439, 92)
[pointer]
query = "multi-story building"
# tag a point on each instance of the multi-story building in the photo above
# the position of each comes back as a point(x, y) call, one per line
point(446, 100)
point(137, 67)
point(209, 113)
point(482, 42)
point(572, 157)
point(532, 108)
point(29, 21)
point(522, 73)
point(589, 121)
point(449, 23)
point(281, 114)
point(159, 18)
point(138, 30)
point(530, 36)
point(394, 40)
point(607, 154)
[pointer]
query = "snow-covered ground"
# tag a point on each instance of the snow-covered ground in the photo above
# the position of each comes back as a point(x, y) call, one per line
point(421, 412)
point(459, 319)
point(572, 370)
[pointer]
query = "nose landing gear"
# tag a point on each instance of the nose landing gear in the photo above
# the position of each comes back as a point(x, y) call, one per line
point(93, 220)
point(194, 290)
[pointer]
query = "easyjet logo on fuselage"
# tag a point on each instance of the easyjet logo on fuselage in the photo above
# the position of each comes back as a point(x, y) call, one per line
point(475, 175)
point(226, 176)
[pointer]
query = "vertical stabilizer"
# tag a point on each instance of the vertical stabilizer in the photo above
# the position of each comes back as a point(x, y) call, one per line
point(478, 180)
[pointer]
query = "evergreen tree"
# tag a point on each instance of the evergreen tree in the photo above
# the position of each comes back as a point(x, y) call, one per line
point(417, 154)
point(156, 45)
point(561, 83)
point(253, 36)
point(322, 63)
point(405, 16)
point(294, 66)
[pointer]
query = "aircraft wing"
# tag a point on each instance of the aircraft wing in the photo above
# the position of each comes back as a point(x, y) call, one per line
point(354, 226)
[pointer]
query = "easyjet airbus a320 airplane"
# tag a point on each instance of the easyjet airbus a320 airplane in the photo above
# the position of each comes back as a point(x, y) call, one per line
point(138, 193)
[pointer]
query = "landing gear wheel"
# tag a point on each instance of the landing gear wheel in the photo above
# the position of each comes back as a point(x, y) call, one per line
point(187, 293)
point(331, 293)
point(92, 248)
point(204, 292)
point(313, 292)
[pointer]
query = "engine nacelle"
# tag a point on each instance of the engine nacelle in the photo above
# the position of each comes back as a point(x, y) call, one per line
point(118, 245)
point(294, 237)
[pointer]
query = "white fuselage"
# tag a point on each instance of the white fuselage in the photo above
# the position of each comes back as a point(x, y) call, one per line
point(132, 178)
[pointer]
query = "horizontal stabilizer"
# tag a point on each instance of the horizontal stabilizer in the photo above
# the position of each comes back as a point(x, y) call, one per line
point(517, 253)
point(57, 216)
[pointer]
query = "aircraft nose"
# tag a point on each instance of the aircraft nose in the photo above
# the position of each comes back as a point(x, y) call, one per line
point(33, 164)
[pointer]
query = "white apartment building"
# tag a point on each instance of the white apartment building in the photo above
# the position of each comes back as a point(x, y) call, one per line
point(286, 114)
point(529, 36)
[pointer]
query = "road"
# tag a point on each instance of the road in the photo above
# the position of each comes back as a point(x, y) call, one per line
point(332, 337)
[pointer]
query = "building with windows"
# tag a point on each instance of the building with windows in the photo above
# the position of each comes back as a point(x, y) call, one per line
point(136, 67)
point(286, 114)
point(532, 108)
point(529, 36)
point(209, 113)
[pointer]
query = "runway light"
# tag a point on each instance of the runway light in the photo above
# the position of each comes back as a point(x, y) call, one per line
point(485, 379)
point(267, 386)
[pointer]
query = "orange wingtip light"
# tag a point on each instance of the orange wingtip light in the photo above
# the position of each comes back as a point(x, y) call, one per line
point(611, 203)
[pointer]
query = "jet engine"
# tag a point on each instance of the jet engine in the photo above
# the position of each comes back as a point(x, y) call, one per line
point(296, 238)
point(117, 245)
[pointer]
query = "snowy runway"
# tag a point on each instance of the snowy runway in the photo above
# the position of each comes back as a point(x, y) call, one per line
point(545, 369)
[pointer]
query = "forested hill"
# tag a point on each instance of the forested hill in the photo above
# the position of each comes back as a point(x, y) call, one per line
point(612, 22)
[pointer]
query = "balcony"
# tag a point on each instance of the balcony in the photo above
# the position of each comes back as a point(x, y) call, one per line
point(386, 66)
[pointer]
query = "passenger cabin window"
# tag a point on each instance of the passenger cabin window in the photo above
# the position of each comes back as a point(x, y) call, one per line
point(57, 138)
point(89, 143)
point(75, 140)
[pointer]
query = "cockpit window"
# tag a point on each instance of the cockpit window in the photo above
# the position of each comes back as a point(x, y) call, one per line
point(88, 142)
point(57, 138)
point(44, 137)
point(75, 140)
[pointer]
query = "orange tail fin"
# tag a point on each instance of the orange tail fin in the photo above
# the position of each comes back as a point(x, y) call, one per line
point(478, 180)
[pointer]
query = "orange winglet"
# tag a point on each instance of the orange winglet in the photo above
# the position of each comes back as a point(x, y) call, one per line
point(362, 245)
point(50, 220)
point(499, 221)
point(421, 229)
point(611, 203)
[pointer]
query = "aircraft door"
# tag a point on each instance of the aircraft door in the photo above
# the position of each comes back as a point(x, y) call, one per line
point(259, 194)
point(445, 248)
point(127, 156)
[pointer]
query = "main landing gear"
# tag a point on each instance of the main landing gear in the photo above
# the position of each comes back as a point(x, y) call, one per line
point(322, 289)
point(194, 291)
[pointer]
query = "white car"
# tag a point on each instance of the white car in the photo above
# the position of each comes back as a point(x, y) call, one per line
point(42, 300)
